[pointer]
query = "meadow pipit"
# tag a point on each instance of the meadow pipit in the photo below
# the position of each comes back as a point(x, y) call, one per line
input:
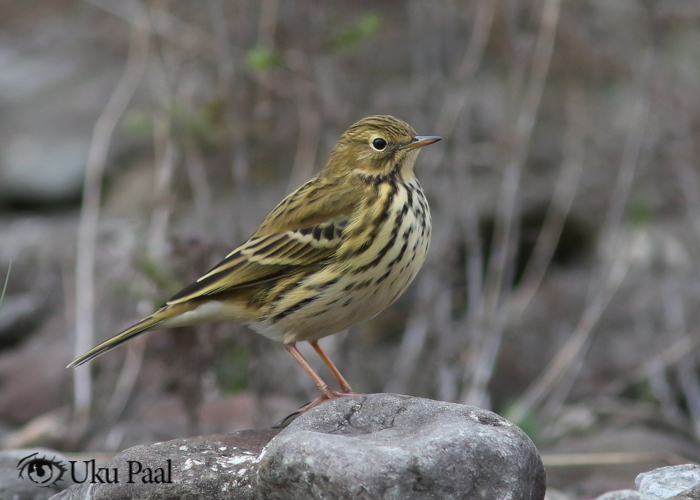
point(335, 252)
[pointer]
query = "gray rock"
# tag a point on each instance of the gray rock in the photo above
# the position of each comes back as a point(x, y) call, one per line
point(214, 467)
point(691, 494)
point(390, 446)
point(623, 495)
point(14, 487)
point(666, 482)
point(367, 446)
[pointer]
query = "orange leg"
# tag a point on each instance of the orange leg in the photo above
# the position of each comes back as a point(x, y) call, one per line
point(345, 387)
point(328, 393)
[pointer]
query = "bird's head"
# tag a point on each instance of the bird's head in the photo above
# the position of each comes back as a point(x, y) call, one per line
point(377, 146)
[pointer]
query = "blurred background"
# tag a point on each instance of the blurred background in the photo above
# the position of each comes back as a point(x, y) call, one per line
point(141, 141)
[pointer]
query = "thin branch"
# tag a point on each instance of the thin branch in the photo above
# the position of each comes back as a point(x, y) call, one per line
point(127, 379)
point(90, 209)
point(413, 339)
point(309, 120)
point(502, 249)
point(612, 458)
point(456, 101)
point(668, 357)
point(166, 26)
point(507, 205)
point(578, 340)
point(197, 175)
point(630, 156)
point(613, 273)
point(562, 199)
point(267, 24)
point(676, 325)
point(166, 149)
point(7, 280)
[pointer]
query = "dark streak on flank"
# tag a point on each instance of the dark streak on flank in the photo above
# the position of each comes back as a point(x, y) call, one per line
point(294, 308)
point(288, 287)
point(364, 284)
point(383, 277)
point(323, 286)
point(400, 255)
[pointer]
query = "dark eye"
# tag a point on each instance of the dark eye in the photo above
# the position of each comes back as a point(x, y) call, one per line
point(379, 144)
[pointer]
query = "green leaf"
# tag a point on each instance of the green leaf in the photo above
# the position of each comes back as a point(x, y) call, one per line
point(137, 122)
point(360, 32)
point(261, 59)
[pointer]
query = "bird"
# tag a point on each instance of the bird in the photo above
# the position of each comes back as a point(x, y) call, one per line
point(337, 251)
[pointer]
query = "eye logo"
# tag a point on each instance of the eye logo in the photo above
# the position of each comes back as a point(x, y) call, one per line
point(42, 471)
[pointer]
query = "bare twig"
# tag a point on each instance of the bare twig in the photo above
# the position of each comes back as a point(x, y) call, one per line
point(457, 100)
point(675, 319)
point(502, 253)
point(267, 24)
point(176, 31)
point(225, 62)
point(7, 280)
point(90, 209)
point(682, 347)
point(197, 175)
point(612, 458)
point(413, 340)
point(612, 273)
point(630, 157)
point(127, 379)
point(564, 193)
point(507, 199)
point(166, 152)
point(577, 342)
point(309, 120)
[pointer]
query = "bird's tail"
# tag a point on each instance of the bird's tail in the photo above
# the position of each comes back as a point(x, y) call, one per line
point(140, 327)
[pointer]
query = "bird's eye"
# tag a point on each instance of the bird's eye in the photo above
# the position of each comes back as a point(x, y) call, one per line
point(379, 144)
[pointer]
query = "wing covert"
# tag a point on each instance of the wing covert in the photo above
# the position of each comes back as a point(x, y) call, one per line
point(311, 233)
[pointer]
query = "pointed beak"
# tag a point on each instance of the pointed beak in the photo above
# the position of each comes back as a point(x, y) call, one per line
point(423, 140)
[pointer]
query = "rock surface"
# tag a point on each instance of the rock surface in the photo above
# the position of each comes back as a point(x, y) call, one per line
point(679, 482)
point(399, 447)
point(666, 482)
point(623, 495)
point(215, 467)
point(366, 446)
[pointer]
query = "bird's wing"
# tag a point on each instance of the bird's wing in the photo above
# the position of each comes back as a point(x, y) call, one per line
point(305, 228)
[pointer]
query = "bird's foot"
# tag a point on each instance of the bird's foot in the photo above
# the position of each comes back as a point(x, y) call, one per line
point(328, 394)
